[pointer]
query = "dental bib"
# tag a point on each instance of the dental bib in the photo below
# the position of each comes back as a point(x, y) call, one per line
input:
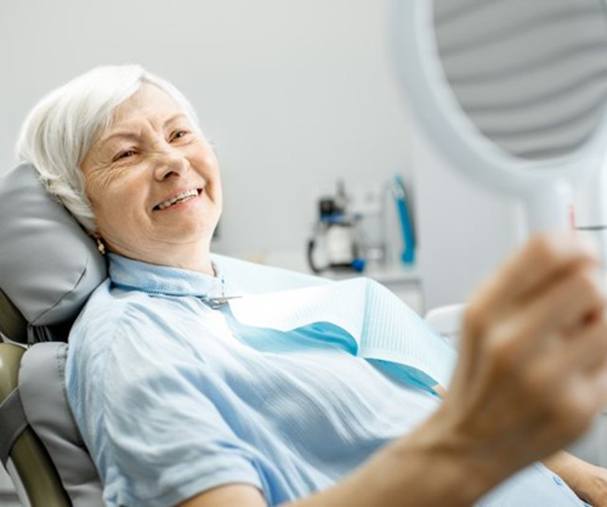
point(359, 316)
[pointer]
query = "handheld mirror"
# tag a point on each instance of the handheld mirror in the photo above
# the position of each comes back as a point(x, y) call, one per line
point(513, 92)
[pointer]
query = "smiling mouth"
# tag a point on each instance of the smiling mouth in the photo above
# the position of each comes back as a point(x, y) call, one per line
point(184, 196)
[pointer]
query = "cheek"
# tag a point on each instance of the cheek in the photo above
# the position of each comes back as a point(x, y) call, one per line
point(117, 204)
point(202, 156)
point(212, 171)
point(109, 215)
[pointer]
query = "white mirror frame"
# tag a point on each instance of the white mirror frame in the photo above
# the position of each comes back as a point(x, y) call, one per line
point(544, 186)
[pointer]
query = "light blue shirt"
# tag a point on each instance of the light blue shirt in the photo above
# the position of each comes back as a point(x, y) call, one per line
point(171, 401)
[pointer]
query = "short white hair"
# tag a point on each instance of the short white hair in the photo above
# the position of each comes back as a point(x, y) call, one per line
point(60, 129)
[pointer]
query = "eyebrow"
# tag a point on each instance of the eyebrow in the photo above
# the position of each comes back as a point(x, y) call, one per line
point(126, 134)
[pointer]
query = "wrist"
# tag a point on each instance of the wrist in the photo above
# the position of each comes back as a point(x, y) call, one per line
point(568, 467)
point(461, 468)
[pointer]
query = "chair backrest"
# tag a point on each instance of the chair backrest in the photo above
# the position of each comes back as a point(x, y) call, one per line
point(28, 463)
point(48, 268)
point(40, 446)
point(45, 406)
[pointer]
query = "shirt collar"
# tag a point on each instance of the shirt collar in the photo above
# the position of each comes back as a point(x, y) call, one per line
point(168, 280)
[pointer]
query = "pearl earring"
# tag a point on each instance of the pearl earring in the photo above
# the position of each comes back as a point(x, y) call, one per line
point(100, 245)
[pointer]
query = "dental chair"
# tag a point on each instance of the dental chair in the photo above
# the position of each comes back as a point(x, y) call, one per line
point(48, 268)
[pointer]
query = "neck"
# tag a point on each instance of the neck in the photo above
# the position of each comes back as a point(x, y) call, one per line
point(192, 258)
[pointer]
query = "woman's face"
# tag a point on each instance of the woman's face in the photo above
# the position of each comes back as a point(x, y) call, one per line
point(153, 182)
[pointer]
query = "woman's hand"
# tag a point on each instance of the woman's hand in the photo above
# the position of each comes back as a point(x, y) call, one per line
point(533, 358)
point(531, 375)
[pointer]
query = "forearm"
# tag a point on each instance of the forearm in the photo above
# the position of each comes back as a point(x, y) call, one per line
point(587, 480)
point(427, 467)
point(565, 465)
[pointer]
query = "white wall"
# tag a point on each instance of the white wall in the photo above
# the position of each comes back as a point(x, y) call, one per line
point(466, 230)
point(294, 95)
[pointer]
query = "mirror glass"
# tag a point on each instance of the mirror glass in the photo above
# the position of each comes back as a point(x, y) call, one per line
point(530, 76)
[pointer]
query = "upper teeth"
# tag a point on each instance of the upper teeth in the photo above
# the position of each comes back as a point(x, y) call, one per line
point(183, 195)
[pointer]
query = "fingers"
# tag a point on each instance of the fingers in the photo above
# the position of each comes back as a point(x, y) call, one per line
point(571, 303)
point(586, 350)
point(534, 337)
point(542, 259)
point(533, 359)
point(564, 306)
point(546, 259)
point(600, 385)
point(570, 378)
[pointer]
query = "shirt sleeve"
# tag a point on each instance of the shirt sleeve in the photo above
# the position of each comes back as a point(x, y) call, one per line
point(166, 437)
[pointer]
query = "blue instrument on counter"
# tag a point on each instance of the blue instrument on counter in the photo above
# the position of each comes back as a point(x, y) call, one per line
point(406, 223)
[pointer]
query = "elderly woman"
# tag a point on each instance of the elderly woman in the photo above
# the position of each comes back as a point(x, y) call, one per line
point(178, 409)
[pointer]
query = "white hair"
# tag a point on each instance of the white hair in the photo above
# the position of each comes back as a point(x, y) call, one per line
point(59, 131)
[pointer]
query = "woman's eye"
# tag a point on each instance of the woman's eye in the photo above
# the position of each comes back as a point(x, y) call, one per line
point(178, 134)
point(123, 154)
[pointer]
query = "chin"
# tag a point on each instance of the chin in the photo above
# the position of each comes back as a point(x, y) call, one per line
point(195, 233)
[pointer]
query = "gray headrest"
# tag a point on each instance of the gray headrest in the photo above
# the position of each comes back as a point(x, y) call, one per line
point(48, 264)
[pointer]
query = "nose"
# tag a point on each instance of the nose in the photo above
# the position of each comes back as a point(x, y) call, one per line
point(169, 163)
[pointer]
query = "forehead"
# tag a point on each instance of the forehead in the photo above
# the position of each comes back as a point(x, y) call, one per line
point(149, 103)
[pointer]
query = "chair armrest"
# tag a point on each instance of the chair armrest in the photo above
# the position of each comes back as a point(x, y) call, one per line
point(447, 321)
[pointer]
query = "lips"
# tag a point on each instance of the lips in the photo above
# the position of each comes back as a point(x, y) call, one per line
point(178, 197)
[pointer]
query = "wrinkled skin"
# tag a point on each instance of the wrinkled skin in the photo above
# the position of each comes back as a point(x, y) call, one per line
point(150, 152)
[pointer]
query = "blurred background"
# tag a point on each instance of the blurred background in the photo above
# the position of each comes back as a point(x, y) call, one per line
point(295, 96)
